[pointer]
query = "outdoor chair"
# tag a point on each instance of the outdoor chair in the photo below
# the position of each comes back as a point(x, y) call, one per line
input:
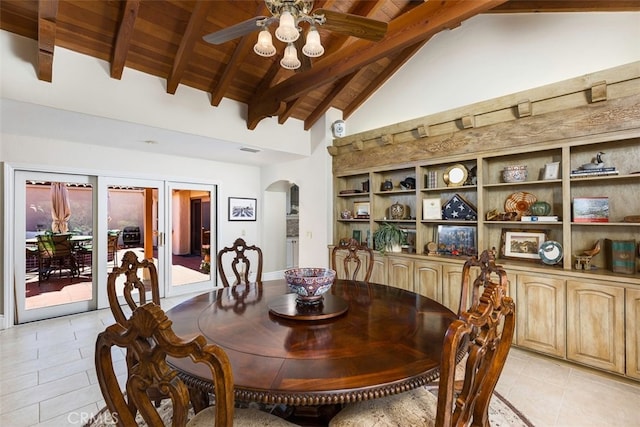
point(55, 252)
point(356, 256)
point(240, 265)
point(483, 333)
point(149, 338)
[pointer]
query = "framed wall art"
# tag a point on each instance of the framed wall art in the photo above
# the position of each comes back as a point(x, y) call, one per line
point(242, 209)
point(456, 240)
point(522, 244)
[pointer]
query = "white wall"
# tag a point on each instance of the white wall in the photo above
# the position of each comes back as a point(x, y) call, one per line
point(494, 55)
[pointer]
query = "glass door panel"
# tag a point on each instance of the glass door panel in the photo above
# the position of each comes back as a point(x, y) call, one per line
point(54, 223)
point(190, 242)
point(134, 222)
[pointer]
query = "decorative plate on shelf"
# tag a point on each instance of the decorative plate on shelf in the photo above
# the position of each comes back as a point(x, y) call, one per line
point(520, 202)
point(550, 252)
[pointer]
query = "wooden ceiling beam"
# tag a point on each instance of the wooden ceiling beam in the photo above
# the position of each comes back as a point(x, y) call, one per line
point(382, 77)
point(47, 13)
point(326, 102)
point(123, 39)
point(191, 35)
point(231, 69)
point(417, 25)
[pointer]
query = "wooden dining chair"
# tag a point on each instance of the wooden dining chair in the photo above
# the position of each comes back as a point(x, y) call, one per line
point(148, 336)
point(484, 332)
point(354, 256)
point(134, 287)
point(241, 257)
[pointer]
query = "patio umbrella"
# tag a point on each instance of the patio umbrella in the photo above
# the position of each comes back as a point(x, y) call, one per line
point(60, 209)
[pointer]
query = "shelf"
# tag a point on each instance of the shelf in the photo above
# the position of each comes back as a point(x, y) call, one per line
point(523, 183)
point(488, 192)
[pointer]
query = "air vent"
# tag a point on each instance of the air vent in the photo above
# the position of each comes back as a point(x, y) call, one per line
point(250, 150)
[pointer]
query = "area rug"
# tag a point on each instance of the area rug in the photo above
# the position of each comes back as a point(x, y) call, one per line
point(501, 414)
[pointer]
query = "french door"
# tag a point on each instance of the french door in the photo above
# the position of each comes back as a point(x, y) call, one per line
point(54, 222)
point(191, 239)
point(171, 223)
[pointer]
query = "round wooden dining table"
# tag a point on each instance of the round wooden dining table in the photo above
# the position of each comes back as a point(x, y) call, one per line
point(365, 341)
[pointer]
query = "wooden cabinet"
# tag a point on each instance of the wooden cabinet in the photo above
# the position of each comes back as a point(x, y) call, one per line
point(632, 339)
point(379, 272)
point(560, 130)
point(595, 325)
point(541, 313)
point(400, 272)
point(427, 279)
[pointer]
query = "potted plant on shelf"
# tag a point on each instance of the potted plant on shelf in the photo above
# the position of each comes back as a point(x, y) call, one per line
point(389, 238)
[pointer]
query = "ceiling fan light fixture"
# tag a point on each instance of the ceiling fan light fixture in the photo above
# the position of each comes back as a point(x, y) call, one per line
point(264, 46)
point(290, 59)
point(287, 30)
point(313, 48)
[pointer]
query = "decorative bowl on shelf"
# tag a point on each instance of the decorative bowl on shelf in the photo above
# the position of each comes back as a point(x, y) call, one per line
point(309, 283)
point(515, 173)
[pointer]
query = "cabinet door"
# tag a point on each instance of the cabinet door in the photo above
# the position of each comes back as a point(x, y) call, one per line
point(427, 279)
point(595, 325)
point(541, 314)
point(379, 272)
point(451, 286)
point(400, 273)
point(633, 332)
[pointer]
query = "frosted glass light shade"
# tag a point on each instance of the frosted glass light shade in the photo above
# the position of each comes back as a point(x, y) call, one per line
point(264, 46)
point(313, 47)
point(290, 59)
point(287, 31)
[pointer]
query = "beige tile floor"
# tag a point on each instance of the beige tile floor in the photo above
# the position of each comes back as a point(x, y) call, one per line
point(47, 378)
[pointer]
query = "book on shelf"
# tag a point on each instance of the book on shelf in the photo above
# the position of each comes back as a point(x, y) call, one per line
point(620, 255)
point(539, 218)
point(593, 172)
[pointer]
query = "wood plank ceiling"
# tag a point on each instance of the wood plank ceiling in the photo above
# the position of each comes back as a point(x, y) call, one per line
point(164, 39)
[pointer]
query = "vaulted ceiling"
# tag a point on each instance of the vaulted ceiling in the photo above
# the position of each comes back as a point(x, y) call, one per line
point(165, 39)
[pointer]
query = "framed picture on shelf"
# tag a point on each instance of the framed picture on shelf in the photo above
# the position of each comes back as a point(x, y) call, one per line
point(456, 240)
point(357, 235)
point(361, 209)
point(591, 209)
point(551, 171)
point(522, 244)
point(242, 209)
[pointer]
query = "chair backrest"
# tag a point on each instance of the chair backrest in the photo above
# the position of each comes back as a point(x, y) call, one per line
point(241, 253)
point(133, 270)
point(485, 330)
point(54, 245)
point(473, 289)
point(356, 256)
point(149, 338)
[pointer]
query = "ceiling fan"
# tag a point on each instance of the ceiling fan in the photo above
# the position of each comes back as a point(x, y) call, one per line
point(290, 14)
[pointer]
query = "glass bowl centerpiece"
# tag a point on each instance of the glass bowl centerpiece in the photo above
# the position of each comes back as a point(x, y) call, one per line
point(309, 283)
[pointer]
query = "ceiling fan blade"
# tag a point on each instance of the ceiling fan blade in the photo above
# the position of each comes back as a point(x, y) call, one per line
point(233, 32)
point(353, 25)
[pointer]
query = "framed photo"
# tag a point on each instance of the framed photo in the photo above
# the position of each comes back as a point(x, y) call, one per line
point(591, 209)
point(456, 240)
point(431, 208)
point(361, 209)
point(551, 171)
point(522, 244)
point(357, 235)
point(242, 209)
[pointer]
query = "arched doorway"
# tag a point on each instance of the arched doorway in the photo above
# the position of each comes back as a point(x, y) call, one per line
point(281, 215)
